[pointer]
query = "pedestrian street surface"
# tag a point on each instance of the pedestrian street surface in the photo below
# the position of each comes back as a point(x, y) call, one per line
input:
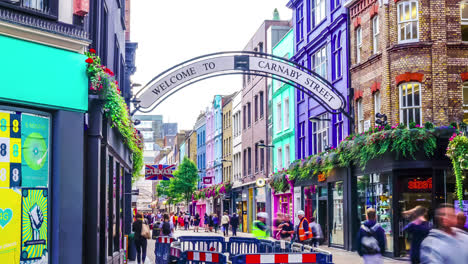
point(339, 256)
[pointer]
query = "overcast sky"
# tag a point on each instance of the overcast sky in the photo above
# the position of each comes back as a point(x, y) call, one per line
point(170, 32)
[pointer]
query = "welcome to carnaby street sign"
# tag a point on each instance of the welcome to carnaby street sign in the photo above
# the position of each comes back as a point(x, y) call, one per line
point(250, 63)
point(159, 172)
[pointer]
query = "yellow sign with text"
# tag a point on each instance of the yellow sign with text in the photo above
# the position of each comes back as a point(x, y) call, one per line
point(10, 226)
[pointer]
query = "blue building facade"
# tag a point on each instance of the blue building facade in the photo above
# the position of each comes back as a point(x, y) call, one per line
point(201, 149)
point(321, 45)
point(218, 139)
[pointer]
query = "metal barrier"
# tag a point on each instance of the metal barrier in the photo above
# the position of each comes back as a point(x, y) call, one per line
point(282, 246)
point(195, 257)
point(267, 246)
point(242, 245)
point(213, 244)
point(305, 258)
point(162, 249)
point(297, 247)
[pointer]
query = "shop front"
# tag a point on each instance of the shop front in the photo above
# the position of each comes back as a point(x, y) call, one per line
point(201, 211)
point(401, 185)
point(324, 199)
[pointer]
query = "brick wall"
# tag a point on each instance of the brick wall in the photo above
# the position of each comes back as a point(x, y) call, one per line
point(439, 55)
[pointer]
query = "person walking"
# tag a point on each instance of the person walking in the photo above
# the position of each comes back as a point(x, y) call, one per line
point(303, 230)
point(277, 221)
point(234, 224)
point(371, 239)
point(210, 223)
point(216, 222)
point(181, 220)
point(317, 233)
point(461, 221)
point(445, 244)
point(167, 227)
point(286, 229)
point(259, 227)
point(225, 224)
point(140, 241)
point(186, 221)
point(206, 221)
point(196, 222)
point(175, 219)
point(417, 229)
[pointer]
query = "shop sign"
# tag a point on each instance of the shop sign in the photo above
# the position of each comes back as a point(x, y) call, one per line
point(420, 185)
point(207, 180)
point(159, 172)
point(321, 177)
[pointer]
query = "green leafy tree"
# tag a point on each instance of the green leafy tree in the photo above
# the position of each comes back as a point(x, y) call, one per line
point(186, 179)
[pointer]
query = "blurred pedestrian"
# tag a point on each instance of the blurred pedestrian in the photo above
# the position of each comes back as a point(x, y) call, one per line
point(234, 224)
point(175, 221)
point(303, 230)
point(278, 221)
point(167, 227)
point(186, 221)
point(210, 222)
point(225, 223)
point(196, 222)
point(140, 241)
point(286, 229)
point(215, 222)
point(371, 239)
point(260, 229)
point(181, 220)
point(317, 233)
point(445, 244)
point(417, 229)
point(206, 221)
point(461, 221)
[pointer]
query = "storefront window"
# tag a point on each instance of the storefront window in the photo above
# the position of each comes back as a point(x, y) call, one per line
point(375, 190)
point(337, 233)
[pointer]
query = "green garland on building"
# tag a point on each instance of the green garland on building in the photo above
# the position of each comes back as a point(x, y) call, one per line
point(103, 83)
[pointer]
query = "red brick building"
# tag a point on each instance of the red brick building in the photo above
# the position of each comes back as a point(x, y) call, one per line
point(409, 60)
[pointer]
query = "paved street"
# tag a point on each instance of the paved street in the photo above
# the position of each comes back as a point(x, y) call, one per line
point(339, 256)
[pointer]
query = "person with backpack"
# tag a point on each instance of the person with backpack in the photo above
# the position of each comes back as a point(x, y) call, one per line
point(371, 239)
point(167, 227)
point(417, 229)
point(140, 239)
point(317, 233)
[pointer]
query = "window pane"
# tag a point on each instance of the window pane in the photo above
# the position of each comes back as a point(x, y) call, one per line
point(402, 32)
point(417, 116)
point(415, 30)
point(464, 32)
point(416, 95)
point(408, 30)
point(403, 95)
point(404, 118)
point(414, 12)
point(464, 11)
point(407, 11)
point(409, 94)
point(400, 11)
point(410, 116)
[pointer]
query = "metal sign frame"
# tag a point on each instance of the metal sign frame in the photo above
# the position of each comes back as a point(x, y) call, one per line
point(188, 72)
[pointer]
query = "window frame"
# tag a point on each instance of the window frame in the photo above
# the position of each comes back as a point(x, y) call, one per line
point(279, 120)
point(375, 34)
point(319, 55)
point(410, 20)
point(413, 107)
point(337, 65)
point(301, 139)
point(287, 153)
point(279, 158)
point(358, 44)
point(463, 21)
point(377, 102)
point(300, 23)
point(321, 132)
point(320, 5)
point(286, 113)
point(360, 115)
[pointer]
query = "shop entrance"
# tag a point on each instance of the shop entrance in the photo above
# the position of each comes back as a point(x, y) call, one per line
point(415, 190)
point(323, 218)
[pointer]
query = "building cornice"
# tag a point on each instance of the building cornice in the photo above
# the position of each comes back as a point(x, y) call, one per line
point(349, 3)
point(43, 37)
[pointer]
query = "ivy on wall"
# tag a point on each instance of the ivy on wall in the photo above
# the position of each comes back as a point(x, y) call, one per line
point(103, 83)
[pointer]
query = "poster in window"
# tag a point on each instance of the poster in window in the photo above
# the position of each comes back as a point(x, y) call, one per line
point(35, 150)
point(10, 149)
point(34, 225)
point(10, 226)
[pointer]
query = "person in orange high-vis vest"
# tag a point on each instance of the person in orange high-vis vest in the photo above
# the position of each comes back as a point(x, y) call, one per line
point(304, 232)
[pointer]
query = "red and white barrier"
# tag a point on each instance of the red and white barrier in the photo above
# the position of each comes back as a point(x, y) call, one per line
point(280, 258)
point(175, 252)
point(165, 240)
point(203, 256)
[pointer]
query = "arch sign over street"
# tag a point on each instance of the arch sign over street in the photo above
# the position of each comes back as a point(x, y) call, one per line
point(250, 63)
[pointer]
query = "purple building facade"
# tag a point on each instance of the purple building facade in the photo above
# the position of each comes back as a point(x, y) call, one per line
point(321, 45)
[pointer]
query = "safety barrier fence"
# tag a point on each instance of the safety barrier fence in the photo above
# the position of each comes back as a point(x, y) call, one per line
point(235, 246)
